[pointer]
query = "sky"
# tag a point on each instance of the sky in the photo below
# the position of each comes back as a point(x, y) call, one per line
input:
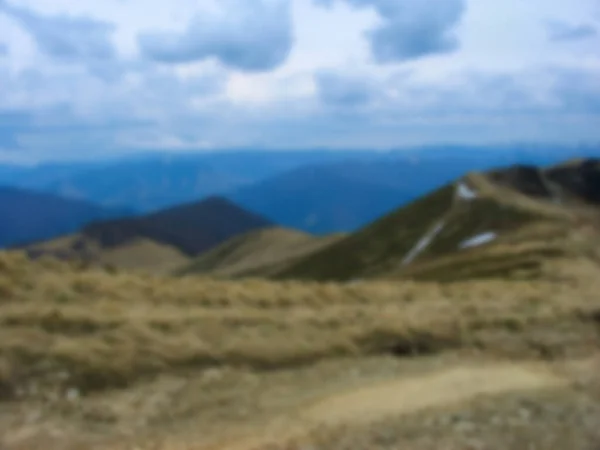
point(96, 78)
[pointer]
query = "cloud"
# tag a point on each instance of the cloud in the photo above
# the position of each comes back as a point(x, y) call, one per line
point(251, 36)
point(69, 112)
point(11, 123)
point(66, 38)
point(411, 29)
point(340, 89)
point(577, 91)
point(499, 87)
point(562, 31)
point(3, 49)
point(164, 111)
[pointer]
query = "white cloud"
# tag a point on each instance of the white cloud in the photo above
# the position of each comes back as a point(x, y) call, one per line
point(307, 76)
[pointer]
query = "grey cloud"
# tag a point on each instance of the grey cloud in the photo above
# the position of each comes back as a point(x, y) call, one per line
point(65, 37)
point(343, 90)
point(251, 36)
point(411, 29)
point(561, 31)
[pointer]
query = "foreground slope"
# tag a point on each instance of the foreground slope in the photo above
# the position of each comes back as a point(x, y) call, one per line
point(259, 252)
point(165, 239)
point(90, 359)
point(27, 216)
point(478, 213)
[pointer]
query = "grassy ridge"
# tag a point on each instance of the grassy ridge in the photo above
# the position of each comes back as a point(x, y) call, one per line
point(257, 253)
point(373, 248)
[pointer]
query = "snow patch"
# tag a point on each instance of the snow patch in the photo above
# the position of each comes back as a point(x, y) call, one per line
point(478, 240)
point(465, 192)
point(423, 243)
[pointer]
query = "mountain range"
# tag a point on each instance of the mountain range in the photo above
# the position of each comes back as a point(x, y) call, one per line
point(317, 192)
point(507, 221)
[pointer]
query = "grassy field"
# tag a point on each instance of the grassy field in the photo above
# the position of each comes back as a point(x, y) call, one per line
point(84, 346)
point(111, 329)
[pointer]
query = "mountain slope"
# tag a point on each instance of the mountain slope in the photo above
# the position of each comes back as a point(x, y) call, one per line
point(344, 196)
point(474, 215)
point(27, 216)
point(321, 200)
point(257, 253)
point(162, 240)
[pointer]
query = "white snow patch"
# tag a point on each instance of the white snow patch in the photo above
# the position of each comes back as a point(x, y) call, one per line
point(423, 243)
point(465, 192)
point(480, 239)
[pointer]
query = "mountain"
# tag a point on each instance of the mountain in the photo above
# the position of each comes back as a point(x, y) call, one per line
point(344, 196)
point(37, 177)
point(150, 182)
point(503, 221)
point(27, 216)
point(318, 201)
point(257, 253)
point(147, 185)
point(158, 241)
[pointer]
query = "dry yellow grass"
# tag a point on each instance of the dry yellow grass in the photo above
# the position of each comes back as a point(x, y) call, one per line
point(92, 330)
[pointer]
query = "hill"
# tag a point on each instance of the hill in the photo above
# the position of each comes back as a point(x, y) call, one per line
point(257, 253)
point(343, 196)
point(161, 240)
point(336, 197)
point(27, 216)
point(475, 219)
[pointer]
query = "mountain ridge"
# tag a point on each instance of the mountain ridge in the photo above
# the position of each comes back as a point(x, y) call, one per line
point(479, 207)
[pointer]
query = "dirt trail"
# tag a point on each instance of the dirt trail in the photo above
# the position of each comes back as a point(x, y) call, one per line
point(403, 396)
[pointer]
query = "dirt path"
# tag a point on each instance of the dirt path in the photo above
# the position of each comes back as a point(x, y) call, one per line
point(402, 396)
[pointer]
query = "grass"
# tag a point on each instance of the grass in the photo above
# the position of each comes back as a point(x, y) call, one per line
point(138, 254)
point(109, 330)
point(257, 253)
point(379, 249)
point(368, 250)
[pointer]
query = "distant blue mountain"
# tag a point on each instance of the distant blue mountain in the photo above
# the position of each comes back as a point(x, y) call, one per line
point(27, 216)
point(314, 190)
point(151, 182)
